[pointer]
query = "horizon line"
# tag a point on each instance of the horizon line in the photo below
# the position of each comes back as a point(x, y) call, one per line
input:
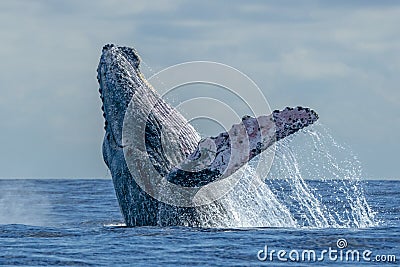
point(110, 178)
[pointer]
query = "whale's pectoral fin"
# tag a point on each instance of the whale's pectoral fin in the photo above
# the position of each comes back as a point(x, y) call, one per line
point(218, 157)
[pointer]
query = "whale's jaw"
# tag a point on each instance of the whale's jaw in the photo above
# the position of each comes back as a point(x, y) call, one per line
point(112, 74)
point(122, 83)
point(117, 72)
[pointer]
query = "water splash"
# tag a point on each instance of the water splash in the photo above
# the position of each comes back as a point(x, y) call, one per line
point(250, 203)
point(314, 182)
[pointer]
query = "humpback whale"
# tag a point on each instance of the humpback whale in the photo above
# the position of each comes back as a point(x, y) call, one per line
point(139, 125)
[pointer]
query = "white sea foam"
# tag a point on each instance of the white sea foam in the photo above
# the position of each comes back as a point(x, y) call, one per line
point(115, 225)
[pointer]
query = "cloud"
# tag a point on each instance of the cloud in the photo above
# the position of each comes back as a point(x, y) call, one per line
point(341, 58)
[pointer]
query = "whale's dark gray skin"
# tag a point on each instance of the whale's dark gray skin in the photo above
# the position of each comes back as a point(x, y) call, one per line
point(121, 82)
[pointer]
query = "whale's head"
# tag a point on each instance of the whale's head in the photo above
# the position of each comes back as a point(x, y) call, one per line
point(118, 75)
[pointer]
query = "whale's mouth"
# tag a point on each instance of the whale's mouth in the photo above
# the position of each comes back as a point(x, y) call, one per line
point(117, 74)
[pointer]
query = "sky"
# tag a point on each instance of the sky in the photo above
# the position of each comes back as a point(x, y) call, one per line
point(341, 58)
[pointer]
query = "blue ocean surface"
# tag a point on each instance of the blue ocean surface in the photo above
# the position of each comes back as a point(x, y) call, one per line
point(77, 222)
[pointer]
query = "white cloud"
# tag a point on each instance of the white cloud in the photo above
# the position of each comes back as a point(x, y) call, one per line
point(50, 52)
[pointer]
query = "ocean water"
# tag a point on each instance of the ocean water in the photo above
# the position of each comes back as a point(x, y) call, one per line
point(312, 207)
point(77, 222)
